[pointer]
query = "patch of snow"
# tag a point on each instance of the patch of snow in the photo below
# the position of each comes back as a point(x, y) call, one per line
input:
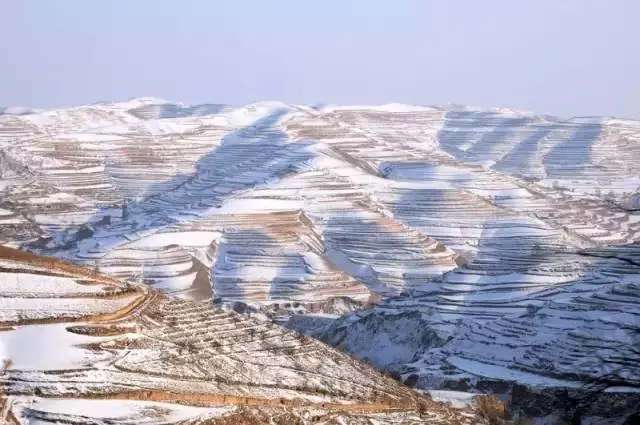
point(25, 284)
point(142, 412)
point(47, 347)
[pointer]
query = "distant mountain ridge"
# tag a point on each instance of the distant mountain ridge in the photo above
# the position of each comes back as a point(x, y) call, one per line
point(17, 110)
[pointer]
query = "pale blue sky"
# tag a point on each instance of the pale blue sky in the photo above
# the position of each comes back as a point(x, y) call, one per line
point(565, 57)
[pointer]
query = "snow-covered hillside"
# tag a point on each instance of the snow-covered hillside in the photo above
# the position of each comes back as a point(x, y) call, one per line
point(80, 347)
point(510, 239)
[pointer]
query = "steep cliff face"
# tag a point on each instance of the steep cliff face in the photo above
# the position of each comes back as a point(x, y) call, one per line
point(386, 341)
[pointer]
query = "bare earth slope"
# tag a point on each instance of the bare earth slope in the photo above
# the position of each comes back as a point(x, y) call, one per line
point(454, 246)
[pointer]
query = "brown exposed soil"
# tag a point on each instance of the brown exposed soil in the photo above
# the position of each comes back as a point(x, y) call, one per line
point(106, 330)
point(492, 408)
point(217, 399)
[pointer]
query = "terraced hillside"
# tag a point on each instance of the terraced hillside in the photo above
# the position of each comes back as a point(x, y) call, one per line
point(79, 347)
point(475, 245)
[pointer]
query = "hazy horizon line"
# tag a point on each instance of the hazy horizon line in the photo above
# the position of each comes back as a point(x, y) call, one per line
point(547, 114)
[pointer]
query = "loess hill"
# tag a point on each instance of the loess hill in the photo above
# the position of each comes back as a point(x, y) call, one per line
point(458, 248)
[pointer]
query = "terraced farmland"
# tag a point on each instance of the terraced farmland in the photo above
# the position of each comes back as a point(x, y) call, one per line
point(151, 359)
point(506, 241)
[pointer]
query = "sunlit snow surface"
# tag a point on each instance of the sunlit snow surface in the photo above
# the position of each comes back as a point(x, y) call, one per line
point(47, 347)
point(114, 411)
point(513, 237)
